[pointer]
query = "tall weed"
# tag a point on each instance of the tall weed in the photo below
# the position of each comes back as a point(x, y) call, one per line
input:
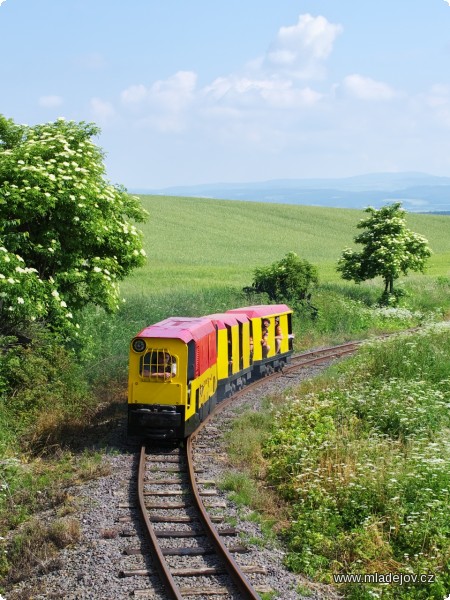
point(364, 464)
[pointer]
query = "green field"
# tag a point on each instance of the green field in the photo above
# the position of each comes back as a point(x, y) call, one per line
point(198, 243)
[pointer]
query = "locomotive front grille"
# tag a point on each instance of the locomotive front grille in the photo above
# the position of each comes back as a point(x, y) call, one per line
point(156, 420)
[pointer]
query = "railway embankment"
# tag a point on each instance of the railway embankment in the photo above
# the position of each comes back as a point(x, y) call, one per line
point(360, 457)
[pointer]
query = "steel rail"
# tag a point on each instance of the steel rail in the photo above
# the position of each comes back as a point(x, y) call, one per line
point(300, 360)
point(238, 577)
point(334, 350)
point(161, 564)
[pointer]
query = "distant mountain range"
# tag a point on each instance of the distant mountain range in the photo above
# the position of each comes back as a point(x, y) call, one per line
point(418, 192)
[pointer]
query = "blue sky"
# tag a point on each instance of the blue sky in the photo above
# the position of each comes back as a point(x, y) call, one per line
point(199, 91)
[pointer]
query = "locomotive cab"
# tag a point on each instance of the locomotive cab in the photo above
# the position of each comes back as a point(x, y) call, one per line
point(157, 387)
point(172, 378)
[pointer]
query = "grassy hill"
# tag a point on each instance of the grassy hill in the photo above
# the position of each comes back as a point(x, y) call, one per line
point(198, 242)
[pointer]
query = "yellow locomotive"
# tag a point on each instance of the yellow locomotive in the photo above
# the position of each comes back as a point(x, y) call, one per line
point(179, 368)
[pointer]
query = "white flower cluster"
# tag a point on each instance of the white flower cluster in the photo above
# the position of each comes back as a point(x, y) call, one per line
point(56, 170)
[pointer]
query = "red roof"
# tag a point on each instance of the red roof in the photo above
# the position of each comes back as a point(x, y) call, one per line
point(224, 319)
point(241, 317)
point(261, 310)
point(181, 328)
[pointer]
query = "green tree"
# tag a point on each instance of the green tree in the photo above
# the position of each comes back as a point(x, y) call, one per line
point(389, 249)
point(286, 280)
point(66, 237)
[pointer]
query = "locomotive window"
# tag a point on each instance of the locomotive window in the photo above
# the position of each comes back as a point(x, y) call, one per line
point(158, 365)
point(230, 350)
point(241, 348)
point(191, 360)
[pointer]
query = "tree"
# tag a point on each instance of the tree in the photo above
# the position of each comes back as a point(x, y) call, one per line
point(66, 239)
point(390, 249)
point(288, 279)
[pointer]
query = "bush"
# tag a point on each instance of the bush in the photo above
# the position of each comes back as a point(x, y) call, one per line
point(286, 280)
point(41, 389)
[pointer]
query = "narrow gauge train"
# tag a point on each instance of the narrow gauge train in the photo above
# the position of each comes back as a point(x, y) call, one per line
point(181, 367)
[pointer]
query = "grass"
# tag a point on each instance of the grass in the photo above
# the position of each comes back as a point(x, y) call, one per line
point(362, 459)
point(345, 312)
point(245, 442)
point(26, 489)
point(232, 238)
point(37, 546)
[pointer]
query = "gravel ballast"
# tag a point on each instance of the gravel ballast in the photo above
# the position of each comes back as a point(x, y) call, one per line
point(109, 522)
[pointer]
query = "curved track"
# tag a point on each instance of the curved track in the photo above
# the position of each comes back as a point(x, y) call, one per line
point(219, 573)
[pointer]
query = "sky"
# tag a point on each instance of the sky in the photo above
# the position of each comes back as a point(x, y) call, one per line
point(200, 91)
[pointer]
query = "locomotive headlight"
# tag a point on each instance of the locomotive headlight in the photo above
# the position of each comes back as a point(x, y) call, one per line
point(138, 345)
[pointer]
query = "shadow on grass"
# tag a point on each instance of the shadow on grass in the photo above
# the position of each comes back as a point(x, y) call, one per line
point(101, 428)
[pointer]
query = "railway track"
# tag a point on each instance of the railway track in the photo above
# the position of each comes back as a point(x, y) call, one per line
point(192, 549)
point(317, 356)
point(191, 557)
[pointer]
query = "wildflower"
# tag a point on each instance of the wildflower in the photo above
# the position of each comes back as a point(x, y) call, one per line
point(20, 300)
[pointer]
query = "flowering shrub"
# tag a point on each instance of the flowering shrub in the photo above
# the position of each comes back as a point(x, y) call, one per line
point(389, 250)
point(364, 462)
point(25, 297)
point(65, 232)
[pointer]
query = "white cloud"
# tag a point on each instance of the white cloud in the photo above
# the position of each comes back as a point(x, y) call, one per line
point(439, 96)
point(260, 93)
point(50, 101)
point(366, 88)
point(301, 48)
point(265, 85)
point(172, 94)
point(101, 110)
point(134, 94)
point(164, 103)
